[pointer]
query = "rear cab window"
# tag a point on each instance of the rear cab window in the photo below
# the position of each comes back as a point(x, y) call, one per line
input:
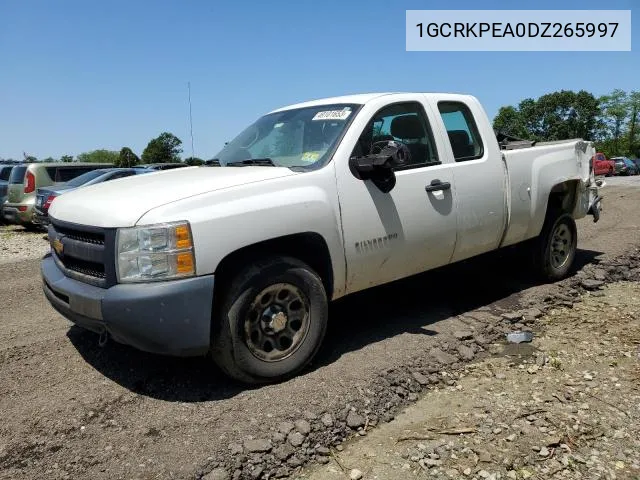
point(17, 175)
point(462, 130)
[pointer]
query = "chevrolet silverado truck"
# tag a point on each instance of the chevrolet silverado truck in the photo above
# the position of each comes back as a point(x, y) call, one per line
point(240, 258)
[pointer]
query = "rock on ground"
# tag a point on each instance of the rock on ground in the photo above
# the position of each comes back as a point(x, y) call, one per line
point(566, 406)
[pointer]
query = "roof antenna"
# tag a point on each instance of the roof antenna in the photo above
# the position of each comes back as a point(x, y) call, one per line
point(190, 121)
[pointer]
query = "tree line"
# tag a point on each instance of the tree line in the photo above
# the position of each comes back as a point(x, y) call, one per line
point(610, 121)
point(166, 148)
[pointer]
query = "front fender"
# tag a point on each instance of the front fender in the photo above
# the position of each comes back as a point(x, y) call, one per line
point(224, 222)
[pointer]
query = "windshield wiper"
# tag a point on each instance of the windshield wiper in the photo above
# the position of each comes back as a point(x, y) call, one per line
point(265, 162)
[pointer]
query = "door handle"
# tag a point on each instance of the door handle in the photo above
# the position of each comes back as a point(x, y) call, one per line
point(437, 185)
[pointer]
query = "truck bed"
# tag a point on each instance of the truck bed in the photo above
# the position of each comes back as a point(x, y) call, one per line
point(532, 171)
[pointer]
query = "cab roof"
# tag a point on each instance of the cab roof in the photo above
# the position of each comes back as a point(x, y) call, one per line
point(359, 99)
point(362, 98)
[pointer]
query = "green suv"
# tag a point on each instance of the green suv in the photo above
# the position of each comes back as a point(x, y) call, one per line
point(26, 178)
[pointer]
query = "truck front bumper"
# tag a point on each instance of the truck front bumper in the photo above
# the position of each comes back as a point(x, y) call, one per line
point(171, 318)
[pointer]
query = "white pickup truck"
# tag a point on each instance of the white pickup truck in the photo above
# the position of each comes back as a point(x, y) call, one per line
point(311, 202)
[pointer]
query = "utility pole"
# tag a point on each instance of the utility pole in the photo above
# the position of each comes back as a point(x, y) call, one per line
point(190, 121)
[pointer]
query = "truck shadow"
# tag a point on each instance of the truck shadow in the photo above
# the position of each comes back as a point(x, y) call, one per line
point(405, 306)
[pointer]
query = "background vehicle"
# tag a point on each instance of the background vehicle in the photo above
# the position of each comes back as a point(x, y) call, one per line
point(632, 167)
point(162, 166)
point(637, 163)
point(621, 167)
point(5, 171)
point(624, 166)
point(26, 178)
point(602, 166)
point(310, 203)
point(46, 195)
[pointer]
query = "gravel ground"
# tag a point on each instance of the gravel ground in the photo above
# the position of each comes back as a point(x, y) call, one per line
point(70, 409)
point(566, 406)
point(16, 243)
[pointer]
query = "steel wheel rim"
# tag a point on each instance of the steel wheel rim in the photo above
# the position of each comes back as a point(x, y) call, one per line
point(561, 244)
point(277, 322)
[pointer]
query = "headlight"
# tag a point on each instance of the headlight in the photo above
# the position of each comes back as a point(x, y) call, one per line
point(155, 252)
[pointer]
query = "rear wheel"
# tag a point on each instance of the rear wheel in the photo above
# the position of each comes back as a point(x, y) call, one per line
point(271, 322)
point(555, 248)
point(609, 173)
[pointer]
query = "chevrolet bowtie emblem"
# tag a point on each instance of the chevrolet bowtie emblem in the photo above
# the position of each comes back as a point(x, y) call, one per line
point(57, 246)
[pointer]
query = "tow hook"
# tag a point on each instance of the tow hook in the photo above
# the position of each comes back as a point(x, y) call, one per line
point(102, 340)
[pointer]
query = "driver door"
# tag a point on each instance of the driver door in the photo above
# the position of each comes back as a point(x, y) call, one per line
point(412, 228)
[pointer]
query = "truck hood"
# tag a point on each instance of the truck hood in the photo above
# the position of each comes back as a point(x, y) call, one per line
point(122, 202)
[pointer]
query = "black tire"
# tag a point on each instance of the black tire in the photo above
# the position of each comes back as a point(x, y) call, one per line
point(610, 174)
point(548, 264)
point(231, 344)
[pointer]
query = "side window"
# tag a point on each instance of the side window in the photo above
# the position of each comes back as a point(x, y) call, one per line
point(4, 173)
point(66, 174)
point(462, 130)
point(52, 172)
point(405, 123)
point(119, 175)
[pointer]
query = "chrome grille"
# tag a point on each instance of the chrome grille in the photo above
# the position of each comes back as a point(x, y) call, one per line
point(84, 253)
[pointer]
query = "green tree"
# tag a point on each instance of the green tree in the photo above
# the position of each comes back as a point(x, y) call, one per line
point(99, 156)
point(509, 120)
point(48, 160)
point(66, 158)
point(554, 116)
point(194, 161)
point(615, 110)
point(30, 159)
point(163, 149)
point(634, 120)
point(127, 158)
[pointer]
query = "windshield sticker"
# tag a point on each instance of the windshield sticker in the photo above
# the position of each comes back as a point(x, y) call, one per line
point(310, 156)
point(333, 114)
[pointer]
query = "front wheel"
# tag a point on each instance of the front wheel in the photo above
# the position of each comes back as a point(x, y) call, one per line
point(555, 248)
point(271, 321)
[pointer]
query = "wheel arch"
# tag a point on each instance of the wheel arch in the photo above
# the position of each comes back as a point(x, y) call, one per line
point(563, 196)
point(308, 247)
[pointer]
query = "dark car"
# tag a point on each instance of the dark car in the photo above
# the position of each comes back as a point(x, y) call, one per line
point(162, 166)
point(5, 172)
point(624, 166)
point(46, 195)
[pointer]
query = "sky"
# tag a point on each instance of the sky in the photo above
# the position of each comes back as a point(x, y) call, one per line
point(78, 75)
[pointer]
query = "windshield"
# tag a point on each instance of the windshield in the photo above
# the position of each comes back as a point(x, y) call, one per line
point(17, 175)
point(292, 138)
point(84, 178)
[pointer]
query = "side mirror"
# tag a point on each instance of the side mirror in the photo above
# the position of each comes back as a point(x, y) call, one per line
point(378, 167)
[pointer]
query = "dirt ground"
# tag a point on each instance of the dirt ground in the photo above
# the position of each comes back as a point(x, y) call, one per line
point(70, 409)
point(565, 406)
point(16, 243)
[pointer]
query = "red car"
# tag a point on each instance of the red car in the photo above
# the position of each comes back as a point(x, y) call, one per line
point(603, 166)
